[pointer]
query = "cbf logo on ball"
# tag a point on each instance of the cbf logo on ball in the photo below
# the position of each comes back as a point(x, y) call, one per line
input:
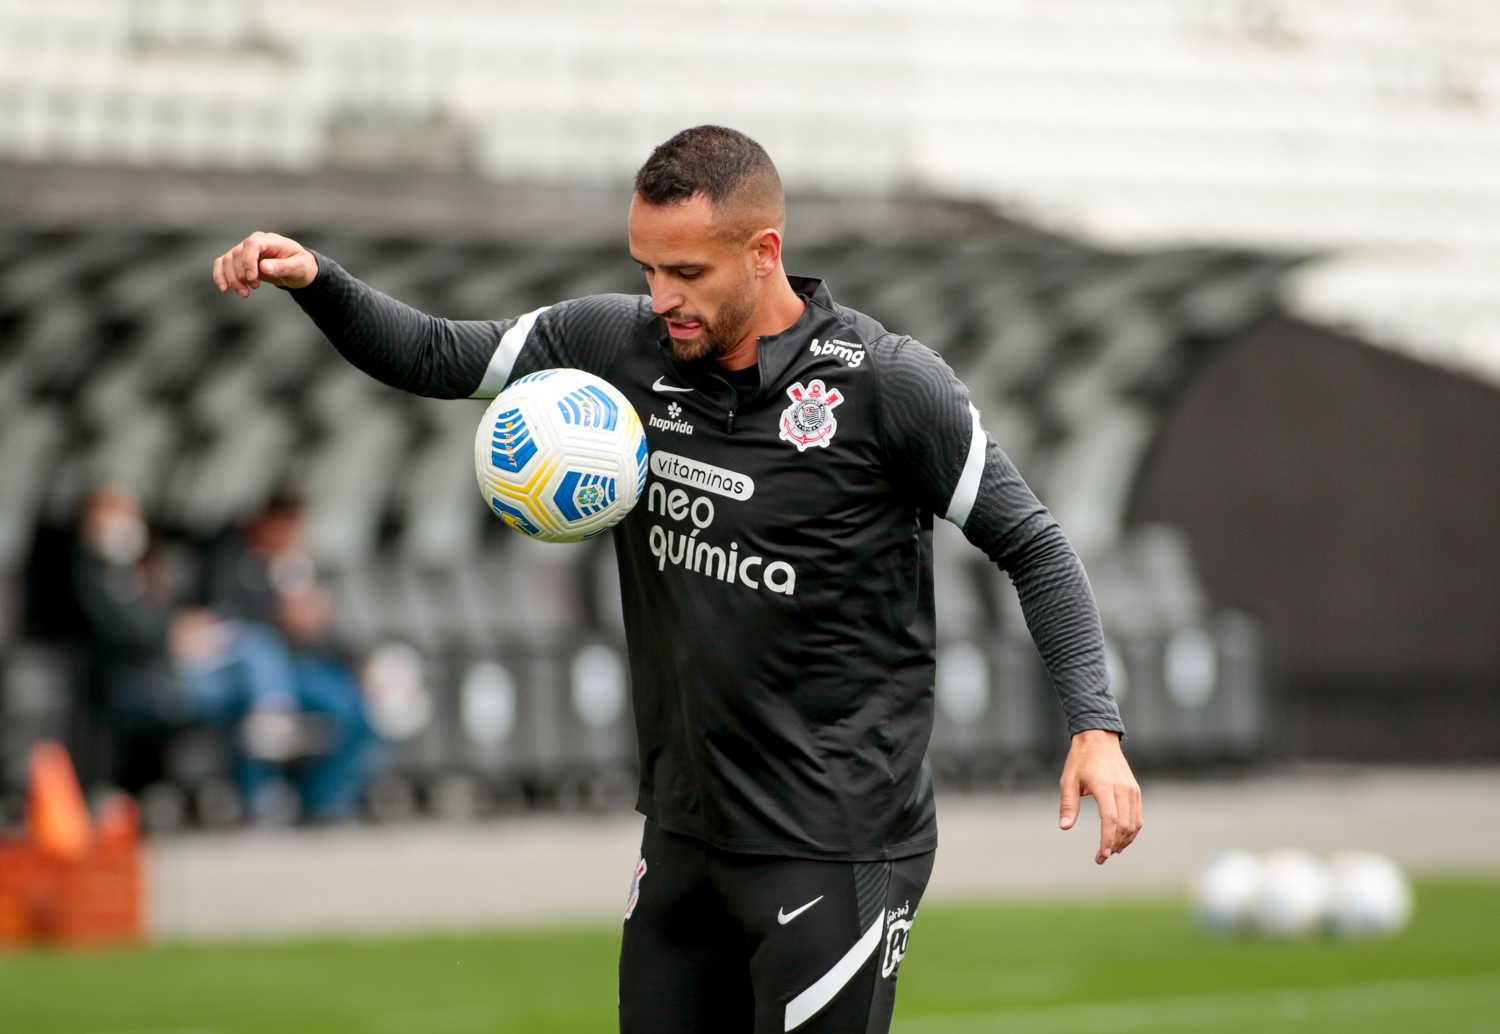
point(560, 455)
point(809, 421)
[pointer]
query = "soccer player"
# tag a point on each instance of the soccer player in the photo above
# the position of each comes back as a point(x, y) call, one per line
point(777, 584)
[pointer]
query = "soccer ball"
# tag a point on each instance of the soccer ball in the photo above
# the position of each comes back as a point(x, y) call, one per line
point(1225, 892)
point(1294, 889)
point(560, 456)
point(1370, 895)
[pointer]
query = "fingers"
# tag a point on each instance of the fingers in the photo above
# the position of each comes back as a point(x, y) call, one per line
point(1119, 818)
point(228, 267)
point(1128, 798)
point(1109, 827)
point(240, 269)
point(1070, 800)
point(249, 261)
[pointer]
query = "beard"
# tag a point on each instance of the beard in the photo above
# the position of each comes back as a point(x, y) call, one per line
point(717, 336)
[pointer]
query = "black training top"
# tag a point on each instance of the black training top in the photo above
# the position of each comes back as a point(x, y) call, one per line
point(777, 573)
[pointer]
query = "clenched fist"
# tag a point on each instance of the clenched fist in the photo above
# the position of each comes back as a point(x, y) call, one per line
point(264, 257)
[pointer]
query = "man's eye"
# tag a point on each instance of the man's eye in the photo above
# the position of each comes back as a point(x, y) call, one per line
point(694, 275)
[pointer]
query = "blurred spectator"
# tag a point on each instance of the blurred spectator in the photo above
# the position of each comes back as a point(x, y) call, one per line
point(128, 618)
point(161, 668)
point(262, 574)
point(333, 783)
point(252, 569)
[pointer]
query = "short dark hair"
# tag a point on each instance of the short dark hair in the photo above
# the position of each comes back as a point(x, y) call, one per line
point(718, 162)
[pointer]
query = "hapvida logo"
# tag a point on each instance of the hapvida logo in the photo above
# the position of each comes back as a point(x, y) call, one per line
point(671, 423)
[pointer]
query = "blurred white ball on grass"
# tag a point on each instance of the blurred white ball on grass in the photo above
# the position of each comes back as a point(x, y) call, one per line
point(1224, 892)
point(560, 455)
point(1292, 893)
point(1370, 895)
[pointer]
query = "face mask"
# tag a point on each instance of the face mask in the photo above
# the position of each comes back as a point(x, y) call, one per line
point(120, 538)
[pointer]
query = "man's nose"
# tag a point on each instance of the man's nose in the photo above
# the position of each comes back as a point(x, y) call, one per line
point(663, 302)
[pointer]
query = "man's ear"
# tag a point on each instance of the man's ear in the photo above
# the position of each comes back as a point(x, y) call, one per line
point(767, 244)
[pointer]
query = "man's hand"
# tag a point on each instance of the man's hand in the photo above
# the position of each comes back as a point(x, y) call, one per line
point(1096, 767)
point(264, 257)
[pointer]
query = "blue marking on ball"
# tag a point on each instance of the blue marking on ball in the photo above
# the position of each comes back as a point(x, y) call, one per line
point(514, 517)
point(511, 447)
point(583, 495)
point(589, 407)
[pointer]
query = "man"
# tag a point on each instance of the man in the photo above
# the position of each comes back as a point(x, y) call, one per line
point(784, 712)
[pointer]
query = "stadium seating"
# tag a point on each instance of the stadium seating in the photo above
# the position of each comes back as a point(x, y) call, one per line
point(1368, 130)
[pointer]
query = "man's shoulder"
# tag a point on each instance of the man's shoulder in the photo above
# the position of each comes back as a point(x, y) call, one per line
point(865, 329)
point(893, 354)
point(592, 331)
point(610, 312)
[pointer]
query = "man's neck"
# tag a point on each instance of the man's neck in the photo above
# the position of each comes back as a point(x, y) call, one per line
point(783, 308)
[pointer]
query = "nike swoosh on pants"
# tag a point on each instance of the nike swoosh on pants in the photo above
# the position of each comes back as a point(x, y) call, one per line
point(786, 917)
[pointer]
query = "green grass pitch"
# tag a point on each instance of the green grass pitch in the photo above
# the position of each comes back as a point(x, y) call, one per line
point(1006, 969)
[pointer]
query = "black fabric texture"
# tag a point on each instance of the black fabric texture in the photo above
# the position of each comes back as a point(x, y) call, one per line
point(928, 426)
point(746, 383)
point(870, 879)
point(1018, 534)
point(782, 638)
point(718, 941)
point(393, 342)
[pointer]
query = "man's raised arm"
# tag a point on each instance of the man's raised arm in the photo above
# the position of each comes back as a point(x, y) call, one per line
point(389, 340)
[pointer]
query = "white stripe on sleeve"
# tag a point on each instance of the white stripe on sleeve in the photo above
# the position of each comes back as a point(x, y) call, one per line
point(504, 359)
point(806, 1005)
point(967, 489)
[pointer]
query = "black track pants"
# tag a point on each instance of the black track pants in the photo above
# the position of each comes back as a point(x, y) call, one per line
point(720, 943)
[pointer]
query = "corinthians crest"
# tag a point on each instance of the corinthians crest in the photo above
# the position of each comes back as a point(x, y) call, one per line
point(809, 421)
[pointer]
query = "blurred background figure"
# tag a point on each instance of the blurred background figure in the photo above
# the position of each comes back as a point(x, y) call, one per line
point(256, 666)
point(261, 575)
point(124, 599)
point(254, 567)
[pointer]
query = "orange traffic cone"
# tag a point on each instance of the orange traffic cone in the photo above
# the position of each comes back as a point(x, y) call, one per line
point(57, 819)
